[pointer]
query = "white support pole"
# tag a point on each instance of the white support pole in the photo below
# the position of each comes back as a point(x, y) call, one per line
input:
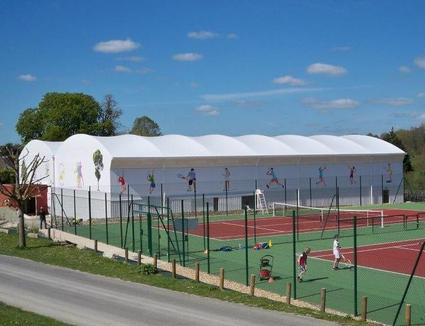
point(298, 197)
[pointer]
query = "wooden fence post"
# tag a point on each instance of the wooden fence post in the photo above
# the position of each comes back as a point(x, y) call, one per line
point(95, 245)
point(322, 299)
point(173, 269)
point(139, 257)
point(221, 278)
point(155, 261)
point(197, 269)
point(252, 285)
point(288, 293)
point(364, 308)
point(126, 255)
point(408, 314)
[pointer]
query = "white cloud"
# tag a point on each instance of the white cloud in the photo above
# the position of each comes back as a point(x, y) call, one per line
point(187, 56)
point(120, 68)
point(289, 80)
point(323, 68)
point(134, 58)
point(208, 110)
point(27, 77)
point(232, 36)
point(342, 103)
point(400, 101)
point(421, 94)
point(266, 93)
point(116, 46)
point(420, 62)
point(404, 69)
point(202, 35)
point(422, 117)
point(343, 48)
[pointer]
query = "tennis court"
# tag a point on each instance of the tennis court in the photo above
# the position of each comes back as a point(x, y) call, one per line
point(312, 222)
point(397, 256)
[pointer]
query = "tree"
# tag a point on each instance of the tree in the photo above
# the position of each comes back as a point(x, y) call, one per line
point(108, 117)
point(61, 115)
point(145, 126)
point(25, 181)
point(98, 165)
point(392, 138)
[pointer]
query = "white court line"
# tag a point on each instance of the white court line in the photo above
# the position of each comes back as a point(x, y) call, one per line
point(252, 227)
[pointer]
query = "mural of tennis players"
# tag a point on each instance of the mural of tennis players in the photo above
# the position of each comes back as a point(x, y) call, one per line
point(226, 176)
point(389, 173)
point(79, 174)
point(191, 180)
point(352, 174)
point(274, 179)
point(123, 183)
point(321, 180)
point(151, 180)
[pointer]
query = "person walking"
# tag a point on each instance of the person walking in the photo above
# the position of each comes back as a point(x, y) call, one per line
point(42, 215)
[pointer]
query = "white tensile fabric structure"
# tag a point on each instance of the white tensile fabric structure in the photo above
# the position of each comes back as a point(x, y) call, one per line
point(110, 164)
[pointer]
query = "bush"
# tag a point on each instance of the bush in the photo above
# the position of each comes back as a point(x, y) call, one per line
point(149, 269)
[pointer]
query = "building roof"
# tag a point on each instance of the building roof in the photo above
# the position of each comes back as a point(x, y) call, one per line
point(178, 146)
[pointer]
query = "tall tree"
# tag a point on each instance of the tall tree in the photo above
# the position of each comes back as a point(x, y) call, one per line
point(61, 115)
point(25, 181)
point(109, 116)
point(145, 126)
point(392, 138)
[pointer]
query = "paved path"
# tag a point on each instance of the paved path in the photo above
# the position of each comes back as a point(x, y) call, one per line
point(85, 299)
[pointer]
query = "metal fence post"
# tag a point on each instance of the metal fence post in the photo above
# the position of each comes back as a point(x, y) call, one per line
point(149, 228)
point(208, 238)
point(90, 213)
point(62, 209)
point(294, 255)
point(203, 220)
point(132, 224)
point(355, 264)
point(246, 248)
point(183, 235)
point(75, 215)
point(361, 195)
point(106, 218)
point(120, 202)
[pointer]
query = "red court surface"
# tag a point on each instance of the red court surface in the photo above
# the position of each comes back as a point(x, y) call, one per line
point(267, 226)
point(399, 256)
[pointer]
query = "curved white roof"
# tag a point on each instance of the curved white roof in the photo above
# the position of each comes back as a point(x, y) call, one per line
point(175, 146)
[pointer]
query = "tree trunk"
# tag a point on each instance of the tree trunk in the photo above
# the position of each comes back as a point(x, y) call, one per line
point(21, 230)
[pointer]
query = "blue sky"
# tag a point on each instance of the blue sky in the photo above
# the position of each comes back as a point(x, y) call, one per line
point(227, 67)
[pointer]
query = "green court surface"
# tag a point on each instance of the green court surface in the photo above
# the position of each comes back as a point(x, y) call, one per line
point(379, 277)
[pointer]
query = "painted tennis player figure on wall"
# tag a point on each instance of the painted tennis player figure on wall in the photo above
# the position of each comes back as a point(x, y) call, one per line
point(79, 174)
point(123, 183)
point(190, 179)
point(151, 180)
point(274, 179)
point(389, 173)
point(352, 174)
point(226, 176)
point(321, 180)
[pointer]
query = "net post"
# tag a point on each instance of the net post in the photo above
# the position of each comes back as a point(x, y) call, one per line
point(294, 256)
point(106, 218)
point(75, 214)
point(183, 240)
point(208, 239)
point(355, 264)
point(246, 248)
point(274, 209)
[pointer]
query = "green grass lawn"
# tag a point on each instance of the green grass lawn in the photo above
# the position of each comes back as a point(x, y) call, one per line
point(45, 251)
point(14, 316)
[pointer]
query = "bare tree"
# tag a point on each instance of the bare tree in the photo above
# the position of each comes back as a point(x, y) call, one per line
point(25, 181)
